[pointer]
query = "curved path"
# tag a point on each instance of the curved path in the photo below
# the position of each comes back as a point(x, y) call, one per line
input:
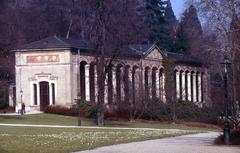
point(197, 143)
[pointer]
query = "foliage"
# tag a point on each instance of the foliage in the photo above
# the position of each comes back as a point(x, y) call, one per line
point(86, 110)
point(234, 138)
point(183, 110)
point(222, 24)
point(61, 110)
point(171, 25)
point(3, 105)
point(3, 94)
point(190, 111)
point(119, 114)
point(189, 33)
point(156, 24)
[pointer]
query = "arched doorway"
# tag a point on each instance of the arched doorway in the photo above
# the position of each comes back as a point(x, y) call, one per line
point(44, 95)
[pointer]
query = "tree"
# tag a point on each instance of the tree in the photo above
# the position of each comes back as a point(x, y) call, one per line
point(222, 17)
point(189, 33)
point(155, 23)
point(115, 24)
point(171, 24)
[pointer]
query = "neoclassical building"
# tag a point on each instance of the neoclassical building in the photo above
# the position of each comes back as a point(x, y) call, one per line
point(57, 71)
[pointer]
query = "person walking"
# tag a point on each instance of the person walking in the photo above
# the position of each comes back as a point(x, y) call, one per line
point(23, 108)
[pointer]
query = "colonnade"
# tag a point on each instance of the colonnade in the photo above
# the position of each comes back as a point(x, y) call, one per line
point(123, 83)
point(189, 86)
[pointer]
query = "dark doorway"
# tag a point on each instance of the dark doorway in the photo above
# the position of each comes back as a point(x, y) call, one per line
point(44, 95)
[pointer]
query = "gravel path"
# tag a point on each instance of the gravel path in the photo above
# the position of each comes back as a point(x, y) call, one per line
point(197, 143)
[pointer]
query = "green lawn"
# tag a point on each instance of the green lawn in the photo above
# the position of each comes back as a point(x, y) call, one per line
point(50, 119)
point(64, 140)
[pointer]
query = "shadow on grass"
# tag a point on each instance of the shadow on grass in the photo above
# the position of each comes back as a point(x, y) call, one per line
point(11, 117)
point(3, 151)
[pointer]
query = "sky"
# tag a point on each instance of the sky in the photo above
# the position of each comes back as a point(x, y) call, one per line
point(178, 7)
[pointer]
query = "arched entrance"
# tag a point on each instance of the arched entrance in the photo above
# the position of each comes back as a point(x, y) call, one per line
point(44, 95)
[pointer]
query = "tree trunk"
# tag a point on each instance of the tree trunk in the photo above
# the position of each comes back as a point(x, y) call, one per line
point(101, 90)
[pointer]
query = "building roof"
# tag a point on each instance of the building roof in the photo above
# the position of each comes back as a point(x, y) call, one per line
point(136, 50)
point(133, 50)
point(184, 59)
point(54, 42)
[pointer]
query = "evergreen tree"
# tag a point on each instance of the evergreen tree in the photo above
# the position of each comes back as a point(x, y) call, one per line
point(155, 22)
point(171, 25)
point(189, 33)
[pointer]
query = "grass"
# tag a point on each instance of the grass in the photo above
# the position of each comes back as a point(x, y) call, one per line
point(50, 119)
point(63, 140)
point(57, 140)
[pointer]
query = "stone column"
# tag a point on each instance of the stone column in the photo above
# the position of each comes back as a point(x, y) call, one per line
point(106, 90)
point(38, 94)
point(130, 90)
point(122, 84)
point(87, 82)
point(157, 84)
point(31, 92)
point(150, 73)
point(78, 79)
point(137, 85)
point(114, 85)
point(189, 92)
point(183, 86)
point(50, 94)
point(200, 87)
point(164, 92)
point(194, 87)
point(96, 83)
point(178, 85)
point(205, 88)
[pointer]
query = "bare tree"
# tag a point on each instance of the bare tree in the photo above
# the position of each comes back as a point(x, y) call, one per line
point(222, 17)
point(115, 25)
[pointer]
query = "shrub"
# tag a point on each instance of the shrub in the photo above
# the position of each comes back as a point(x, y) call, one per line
point(234, 138)
point(183, 111)
point(157, 110)
point(3, 105)
point(190, 111)
point(86, 110)
point(61, 110)
point(119, 114)
point(7, 110)
point(89, 109)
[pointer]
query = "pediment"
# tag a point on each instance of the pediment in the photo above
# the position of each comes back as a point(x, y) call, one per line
point(155, 53)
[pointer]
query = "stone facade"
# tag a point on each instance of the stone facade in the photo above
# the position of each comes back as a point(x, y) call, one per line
point(59, 75)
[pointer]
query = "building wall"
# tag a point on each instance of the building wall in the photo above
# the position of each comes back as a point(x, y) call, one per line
point(34, 70)
point(62, 68)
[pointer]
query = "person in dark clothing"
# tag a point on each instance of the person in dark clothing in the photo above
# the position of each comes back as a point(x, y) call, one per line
point(23, 108)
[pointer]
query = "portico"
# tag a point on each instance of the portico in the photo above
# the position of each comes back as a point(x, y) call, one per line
point(56, 71)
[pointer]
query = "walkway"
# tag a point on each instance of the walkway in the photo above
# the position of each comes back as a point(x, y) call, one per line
point(14, 114)
point(88, 127)
point(197, 143)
